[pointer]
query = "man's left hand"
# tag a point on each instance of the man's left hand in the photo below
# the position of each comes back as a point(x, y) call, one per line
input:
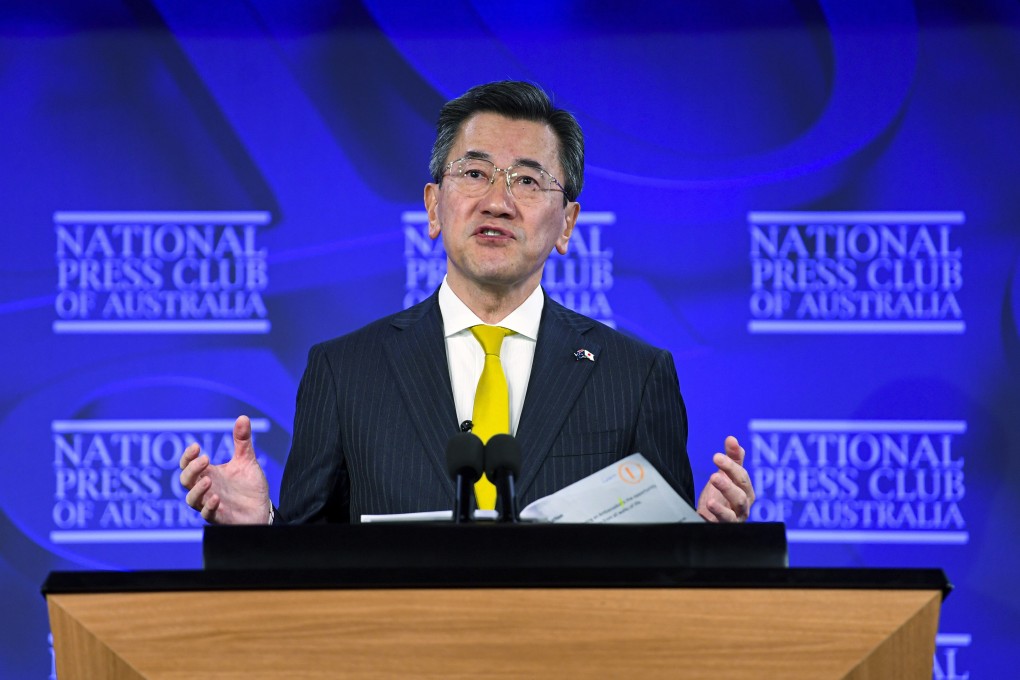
point(728, 496)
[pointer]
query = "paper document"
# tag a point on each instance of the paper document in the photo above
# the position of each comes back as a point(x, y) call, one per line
point(429, 516)
point(630, 491)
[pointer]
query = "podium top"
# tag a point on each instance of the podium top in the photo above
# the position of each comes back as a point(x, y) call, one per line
point(90, 582)
point(495, 556)
point(486, 546)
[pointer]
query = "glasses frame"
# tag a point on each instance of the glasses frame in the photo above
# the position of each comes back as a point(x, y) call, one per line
point(448, 172)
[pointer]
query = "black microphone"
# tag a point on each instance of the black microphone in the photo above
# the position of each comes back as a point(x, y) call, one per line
point(465, 454)
point(502, 467)
point(467, 426)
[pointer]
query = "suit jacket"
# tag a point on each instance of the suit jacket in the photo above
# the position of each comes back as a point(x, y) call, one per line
point(375, 410)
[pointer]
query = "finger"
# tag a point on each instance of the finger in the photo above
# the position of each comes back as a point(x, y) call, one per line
point(242, 438)
point(210, 507)
point(722, 514)
point(732, 469)
point(190, 454)
point(734, 450)
point(707, 515)
point(196, 495)
point(734, 497)
point(193, 472)
point(738, 474)
point(716, 511)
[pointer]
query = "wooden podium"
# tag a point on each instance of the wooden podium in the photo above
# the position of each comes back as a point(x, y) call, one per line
point(414, 615)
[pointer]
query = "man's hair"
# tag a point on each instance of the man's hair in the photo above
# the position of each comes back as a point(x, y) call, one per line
point(518, 101)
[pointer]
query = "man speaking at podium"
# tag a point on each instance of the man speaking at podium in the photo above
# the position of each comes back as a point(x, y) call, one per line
point(488, 350)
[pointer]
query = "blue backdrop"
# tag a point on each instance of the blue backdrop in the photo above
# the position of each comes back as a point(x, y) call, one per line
point(813, 205)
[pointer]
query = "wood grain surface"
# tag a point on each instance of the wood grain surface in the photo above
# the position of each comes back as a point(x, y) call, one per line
point(676, 632)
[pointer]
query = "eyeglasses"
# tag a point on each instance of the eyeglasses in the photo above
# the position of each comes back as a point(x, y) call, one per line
point(526, 183)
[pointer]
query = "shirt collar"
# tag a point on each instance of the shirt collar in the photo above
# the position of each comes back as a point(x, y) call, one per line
point(458, 317)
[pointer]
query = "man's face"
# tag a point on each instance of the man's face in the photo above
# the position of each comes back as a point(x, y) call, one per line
point(493, 242)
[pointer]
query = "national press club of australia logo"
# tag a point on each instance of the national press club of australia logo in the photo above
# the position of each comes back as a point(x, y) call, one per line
point(861, 481)
point(855, 272)
point(160, 272)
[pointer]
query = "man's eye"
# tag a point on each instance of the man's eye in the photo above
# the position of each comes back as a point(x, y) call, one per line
point(474, 174)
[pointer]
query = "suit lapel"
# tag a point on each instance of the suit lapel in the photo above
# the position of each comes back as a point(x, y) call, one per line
point(557, 378)
point(417, 356)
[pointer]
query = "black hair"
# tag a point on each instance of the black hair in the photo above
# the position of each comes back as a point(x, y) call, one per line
point(516, 100)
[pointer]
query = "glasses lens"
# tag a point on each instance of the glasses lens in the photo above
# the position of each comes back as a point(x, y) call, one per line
point(527, 183)
point(474, 176)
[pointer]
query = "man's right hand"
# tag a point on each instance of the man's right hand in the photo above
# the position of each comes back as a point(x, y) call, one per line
point(235, 492)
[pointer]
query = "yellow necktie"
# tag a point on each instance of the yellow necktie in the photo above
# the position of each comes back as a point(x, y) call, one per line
point(492, 403)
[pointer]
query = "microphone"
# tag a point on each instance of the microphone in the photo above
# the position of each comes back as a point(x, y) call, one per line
point(502, 467)
point(465, 454)
point(467, 426)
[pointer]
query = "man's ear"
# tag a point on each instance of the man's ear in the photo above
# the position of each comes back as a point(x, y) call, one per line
point(432, 208)
point(570, 213)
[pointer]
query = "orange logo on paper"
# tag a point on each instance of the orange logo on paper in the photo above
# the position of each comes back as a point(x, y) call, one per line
point(631, 472)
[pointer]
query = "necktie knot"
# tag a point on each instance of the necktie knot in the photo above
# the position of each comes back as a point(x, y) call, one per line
point(490, 337)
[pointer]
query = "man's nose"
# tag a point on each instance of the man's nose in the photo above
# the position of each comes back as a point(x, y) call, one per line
point(499, 198)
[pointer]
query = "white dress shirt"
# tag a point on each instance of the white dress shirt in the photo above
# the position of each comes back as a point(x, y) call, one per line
point(466, 358)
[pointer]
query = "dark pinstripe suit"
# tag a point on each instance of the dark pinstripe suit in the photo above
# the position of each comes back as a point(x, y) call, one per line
point(375, 410)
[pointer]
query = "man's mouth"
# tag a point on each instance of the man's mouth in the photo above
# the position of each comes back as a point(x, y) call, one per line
point(493, 231)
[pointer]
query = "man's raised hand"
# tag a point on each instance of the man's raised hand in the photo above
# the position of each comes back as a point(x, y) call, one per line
point(235, 492)
point(728, 496)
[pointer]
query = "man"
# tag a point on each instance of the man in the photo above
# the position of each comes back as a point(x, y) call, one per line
point(376, 407)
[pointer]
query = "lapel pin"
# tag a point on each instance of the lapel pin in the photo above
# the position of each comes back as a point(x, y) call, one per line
point(583, 354)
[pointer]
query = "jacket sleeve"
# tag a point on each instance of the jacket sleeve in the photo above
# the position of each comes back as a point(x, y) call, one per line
point(661, 432)
point(316, 485)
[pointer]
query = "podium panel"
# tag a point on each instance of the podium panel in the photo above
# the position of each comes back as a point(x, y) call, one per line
point(623, 632)
point(553, 601)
